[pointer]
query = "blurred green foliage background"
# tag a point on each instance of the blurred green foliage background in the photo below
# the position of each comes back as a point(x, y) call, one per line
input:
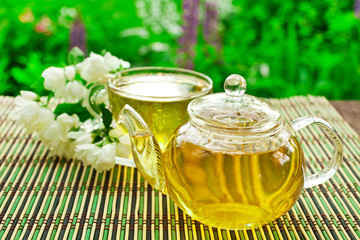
point(282, 47)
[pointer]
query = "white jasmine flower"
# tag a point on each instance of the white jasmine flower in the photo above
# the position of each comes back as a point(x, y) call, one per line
point(52, 133)
point(30, 115)
point(67, 122)
point(83, 150)
point(106, 159)
point(42, 119)
point(24, 113)
point(74, 91)
point(96, 67)
point(116, 132)
point(101, 158)
point(92, 156)
point(93, 68)
point(29, 95)
point(55, 135)
point(90, 125)
point(80, 137)
point(115, 63)
point(123, 148)
point(54, 79)
point(70, 72)
point(125, 64)
point(65, 135)
point(23, 105)
point(64, 149)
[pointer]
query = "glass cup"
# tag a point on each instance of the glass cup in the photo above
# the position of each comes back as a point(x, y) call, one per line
point(159, 94)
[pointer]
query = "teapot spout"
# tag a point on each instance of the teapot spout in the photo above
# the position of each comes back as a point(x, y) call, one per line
point(146, 151)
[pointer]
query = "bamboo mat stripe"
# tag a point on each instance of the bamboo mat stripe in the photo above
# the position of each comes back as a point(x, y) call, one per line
point(44, 197)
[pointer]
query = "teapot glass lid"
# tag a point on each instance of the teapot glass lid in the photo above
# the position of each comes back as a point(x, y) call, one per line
point(234, 110)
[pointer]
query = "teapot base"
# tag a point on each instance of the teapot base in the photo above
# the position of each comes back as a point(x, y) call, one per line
point(233, 216)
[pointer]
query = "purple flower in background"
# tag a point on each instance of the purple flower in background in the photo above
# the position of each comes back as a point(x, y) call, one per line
point(357, 8)
point(211, 25)
point(78, 36)
point(188, 40)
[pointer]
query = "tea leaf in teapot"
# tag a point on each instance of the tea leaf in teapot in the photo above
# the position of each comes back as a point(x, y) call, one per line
point(235, 121)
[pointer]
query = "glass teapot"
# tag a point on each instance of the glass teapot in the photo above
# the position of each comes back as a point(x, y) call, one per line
point(235, 164)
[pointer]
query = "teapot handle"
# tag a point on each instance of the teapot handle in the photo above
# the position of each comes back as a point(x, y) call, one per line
point(329, 170)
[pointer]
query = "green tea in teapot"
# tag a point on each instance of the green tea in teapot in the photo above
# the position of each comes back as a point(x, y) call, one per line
point(236, 164)
point(234, 190)
point(160, 98)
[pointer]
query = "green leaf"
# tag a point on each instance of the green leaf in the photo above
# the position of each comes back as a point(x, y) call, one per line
point(106, 115)
point(73, 108)
point(97, 138)
point(75, 55)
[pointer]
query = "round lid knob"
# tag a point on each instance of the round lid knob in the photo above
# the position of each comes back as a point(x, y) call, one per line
point(235, 85)
point(233, 110)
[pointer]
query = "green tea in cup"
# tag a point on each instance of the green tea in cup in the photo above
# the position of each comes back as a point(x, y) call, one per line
point(160, 95)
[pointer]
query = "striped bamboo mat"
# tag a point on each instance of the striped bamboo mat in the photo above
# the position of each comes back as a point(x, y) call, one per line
point(42, 197)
